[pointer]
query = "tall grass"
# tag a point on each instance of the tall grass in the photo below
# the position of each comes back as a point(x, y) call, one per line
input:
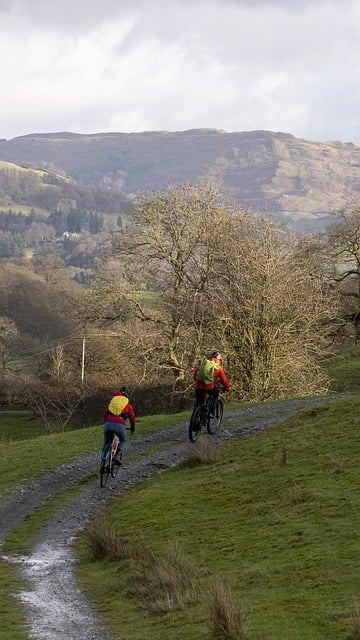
point(228, 617)
point(159, 583)
point(355, 620)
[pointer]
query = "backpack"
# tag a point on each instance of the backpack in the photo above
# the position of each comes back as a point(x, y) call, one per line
point(205, 375)
point(117, 405)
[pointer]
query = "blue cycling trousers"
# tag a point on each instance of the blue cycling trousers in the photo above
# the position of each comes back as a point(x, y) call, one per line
point(115, 427)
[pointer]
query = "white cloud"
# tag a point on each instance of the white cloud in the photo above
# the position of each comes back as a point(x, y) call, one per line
point(115, 65)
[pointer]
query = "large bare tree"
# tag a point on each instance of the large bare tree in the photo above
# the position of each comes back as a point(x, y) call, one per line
point(197, 273)
point(278, 313)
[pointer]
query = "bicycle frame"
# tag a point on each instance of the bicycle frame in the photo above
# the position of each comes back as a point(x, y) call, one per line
point(107, 468)
point(202, 418)
point(114, 445)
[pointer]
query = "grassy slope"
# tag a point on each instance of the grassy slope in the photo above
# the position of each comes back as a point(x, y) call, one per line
point(277, 517)
point(285, 536)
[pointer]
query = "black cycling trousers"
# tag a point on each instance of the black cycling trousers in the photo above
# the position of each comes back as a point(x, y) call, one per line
point(201, 393)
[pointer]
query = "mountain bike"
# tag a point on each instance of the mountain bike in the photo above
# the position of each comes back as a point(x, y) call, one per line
point(202, 417)
point(107, 466)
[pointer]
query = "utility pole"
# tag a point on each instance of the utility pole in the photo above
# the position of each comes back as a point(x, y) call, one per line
point(83, 361)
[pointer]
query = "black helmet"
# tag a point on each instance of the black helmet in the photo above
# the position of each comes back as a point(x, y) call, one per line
point(125, 391)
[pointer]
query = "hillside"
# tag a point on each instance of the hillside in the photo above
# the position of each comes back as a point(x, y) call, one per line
point(292, 178)
point(242, 492)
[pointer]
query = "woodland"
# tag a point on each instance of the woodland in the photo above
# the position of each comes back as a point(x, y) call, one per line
point(101, 289)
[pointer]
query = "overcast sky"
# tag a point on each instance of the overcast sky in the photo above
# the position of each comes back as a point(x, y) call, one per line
point(90, 66)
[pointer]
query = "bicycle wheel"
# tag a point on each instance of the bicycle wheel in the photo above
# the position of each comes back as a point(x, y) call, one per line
point(114, 468)
point(104, 472)
point(105, 467)
point(213, 423)
point(195, 424)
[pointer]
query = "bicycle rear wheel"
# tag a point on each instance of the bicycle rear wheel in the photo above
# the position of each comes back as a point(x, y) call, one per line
point(195, 424)
point(213, 424)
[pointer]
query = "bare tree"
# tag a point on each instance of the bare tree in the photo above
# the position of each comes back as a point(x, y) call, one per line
point(278, 315)
point(50, 266)
point(8, 334)
point(174, 253)
point(197, 274)
point(343, 262)
point(57, 405)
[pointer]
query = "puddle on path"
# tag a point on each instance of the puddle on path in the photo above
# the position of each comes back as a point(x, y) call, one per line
point(54, 607)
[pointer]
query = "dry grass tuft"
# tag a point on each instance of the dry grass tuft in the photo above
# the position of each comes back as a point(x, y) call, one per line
point(282, 457)
point(296, 495)
point(163, 583)
point(202, 452)
point(103, 542)
point(175, 581)
point(338, 464)
point(355, 621)
point(159, 583)
point(228, 617)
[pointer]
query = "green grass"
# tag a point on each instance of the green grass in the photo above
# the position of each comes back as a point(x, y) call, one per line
point(344, 370)
point(278, 518)
point(43, 454)
point(12, 620)
point(19, 426)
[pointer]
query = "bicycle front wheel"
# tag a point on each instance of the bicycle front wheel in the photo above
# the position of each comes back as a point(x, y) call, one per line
point(195, 424)
point(214, 423)
point(105, 466)
point(114, 468)
point(104, 472)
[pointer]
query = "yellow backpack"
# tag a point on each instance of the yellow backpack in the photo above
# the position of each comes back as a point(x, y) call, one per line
point(117, 405)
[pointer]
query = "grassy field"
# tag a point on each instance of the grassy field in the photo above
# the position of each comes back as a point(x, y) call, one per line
point(258, 540)
point(275, 520)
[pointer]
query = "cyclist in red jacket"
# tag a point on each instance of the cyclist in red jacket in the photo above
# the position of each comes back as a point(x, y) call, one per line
point(116, 423)
point(202, 388)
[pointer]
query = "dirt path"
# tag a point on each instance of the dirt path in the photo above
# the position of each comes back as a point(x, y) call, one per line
point(54, 606)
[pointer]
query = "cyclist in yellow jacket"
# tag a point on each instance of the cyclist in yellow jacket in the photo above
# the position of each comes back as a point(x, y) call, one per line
point(115, 423)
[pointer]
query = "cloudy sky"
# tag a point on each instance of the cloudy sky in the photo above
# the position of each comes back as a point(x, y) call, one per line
point(90, 66)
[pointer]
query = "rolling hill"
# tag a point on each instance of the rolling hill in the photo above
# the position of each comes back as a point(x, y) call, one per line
point(293, 179)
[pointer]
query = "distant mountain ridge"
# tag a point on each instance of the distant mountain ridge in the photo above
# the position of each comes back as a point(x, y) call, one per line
point(262, 170)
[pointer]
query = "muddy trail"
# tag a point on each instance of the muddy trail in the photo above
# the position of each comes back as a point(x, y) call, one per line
point(53, 605)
